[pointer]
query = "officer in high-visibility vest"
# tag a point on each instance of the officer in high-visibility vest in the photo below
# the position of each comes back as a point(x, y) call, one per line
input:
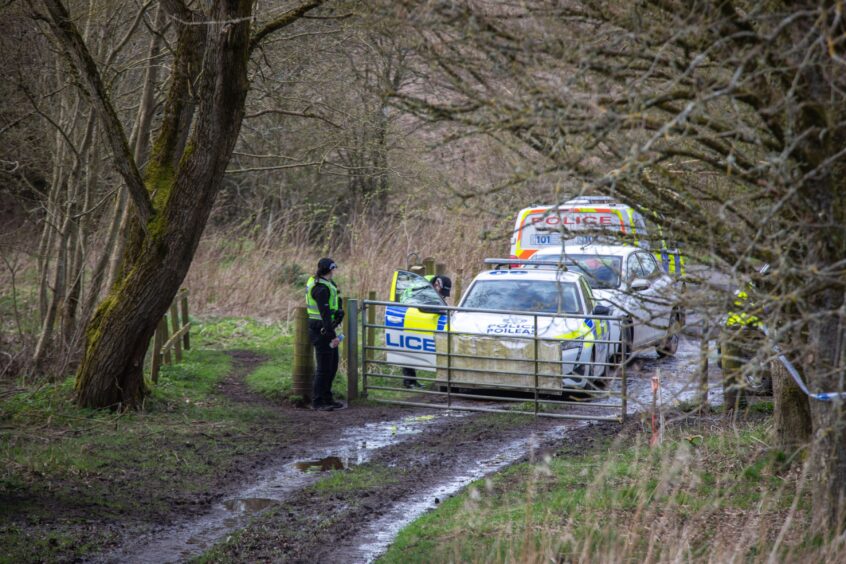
point(325, 313)
point(443, 286)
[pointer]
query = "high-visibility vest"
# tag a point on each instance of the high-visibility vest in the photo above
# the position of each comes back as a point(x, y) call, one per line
point(311, 304)
point(741, 318)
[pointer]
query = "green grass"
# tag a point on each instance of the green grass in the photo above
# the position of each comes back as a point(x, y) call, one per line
point(65, 468)
point(356, 479)
point(607, 501)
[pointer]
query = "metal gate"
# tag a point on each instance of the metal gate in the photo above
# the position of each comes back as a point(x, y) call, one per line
point(524, 373)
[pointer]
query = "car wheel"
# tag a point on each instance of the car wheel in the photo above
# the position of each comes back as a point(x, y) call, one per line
point(670, 344)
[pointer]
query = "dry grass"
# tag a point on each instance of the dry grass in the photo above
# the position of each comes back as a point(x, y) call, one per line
point(264, 277)
point(718, 495)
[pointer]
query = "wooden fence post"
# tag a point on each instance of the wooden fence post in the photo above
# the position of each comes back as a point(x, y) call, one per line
point(168, 358)
point(302, 370)
point(174, 325)
point(158, 341)
point(352, 349)
point(186, 338)
point(429, 266)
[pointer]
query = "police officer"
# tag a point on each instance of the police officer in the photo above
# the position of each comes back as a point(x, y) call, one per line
point(325, 313)
point(443, 286)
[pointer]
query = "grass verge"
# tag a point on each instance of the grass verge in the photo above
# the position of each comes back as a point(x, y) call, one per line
point(720, 495)
point(73, 481)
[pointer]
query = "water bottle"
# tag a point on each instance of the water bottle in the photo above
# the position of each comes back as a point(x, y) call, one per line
point(340, 337)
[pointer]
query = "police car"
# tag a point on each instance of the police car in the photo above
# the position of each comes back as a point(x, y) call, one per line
point(498, 349)
point(630, 281)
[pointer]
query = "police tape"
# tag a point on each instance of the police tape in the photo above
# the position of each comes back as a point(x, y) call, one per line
point(799, 382)
point(831, 396)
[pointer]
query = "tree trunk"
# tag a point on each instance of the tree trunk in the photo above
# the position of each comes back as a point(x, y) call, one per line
point(140, 141)
point(183, 185)
point(792, 413)
point(828, 454)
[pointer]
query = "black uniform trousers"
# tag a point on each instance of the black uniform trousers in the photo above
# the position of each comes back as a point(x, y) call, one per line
point(410, 377)
point(327, 364)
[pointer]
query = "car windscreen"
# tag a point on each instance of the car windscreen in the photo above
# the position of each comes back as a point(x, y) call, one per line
point(542, 296)
point(602, 271)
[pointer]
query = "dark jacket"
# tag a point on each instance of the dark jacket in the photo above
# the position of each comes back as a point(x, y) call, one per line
point(320, 293)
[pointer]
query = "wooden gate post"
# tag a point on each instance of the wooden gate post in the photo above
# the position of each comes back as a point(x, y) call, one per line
point(429, 266)
point(352, 349)
point(302, 370)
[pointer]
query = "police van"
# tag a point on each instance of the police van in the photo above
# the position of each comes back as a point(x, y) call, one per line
point(589, 220)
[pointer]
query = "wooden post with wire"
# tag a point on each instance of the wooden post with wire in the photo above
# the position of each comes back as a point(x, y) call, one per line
point(165, 340)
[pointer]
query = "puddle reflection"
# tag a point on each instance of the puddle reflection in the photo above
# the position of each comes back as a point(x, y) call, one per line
point(321, 465)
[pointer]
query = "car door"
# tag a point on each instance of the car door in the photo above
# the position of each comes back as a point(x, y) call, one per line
point(409, 331)
point(655, 298)
point(600, 328)
point(633, 303)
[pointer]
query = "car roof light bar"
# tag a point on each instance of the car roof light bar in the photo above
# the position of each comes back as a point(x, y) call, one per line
point(501, 263)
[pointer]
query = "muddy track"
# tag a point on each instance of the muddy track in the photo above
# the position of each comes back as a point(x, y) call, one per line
point(399, 462)
point(285, 434)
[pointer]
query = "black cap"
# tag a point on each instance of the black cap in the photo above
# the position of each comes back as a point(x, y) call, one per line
point(446, 285)
point(325, 265)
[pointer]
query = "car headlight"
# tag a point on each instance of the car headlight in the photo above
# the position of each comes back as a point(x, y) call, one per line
point(568, 345)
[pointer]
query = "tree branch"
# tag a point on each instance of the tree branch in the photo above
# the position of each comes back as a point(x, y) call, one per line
point(67, 34)
point(283, 21)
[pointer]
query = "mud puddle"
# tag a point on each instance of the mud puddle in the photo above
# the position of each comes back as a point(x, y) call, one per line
point(679, 378)
point(374, 540)
point(354, 446)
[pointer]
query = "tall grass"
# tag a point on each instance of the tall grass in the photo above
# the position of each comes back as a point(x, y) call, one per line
point(264, 276)
point(719, 494)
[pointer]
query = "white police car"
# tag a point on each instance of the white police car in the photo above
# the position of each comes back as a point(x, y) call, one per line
point(631, 282)
point(540, 324)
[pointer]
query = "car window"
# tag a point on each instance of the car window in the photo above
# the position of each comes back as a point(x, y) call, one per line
point(649, 265)
point(633, 268)
point(414, 289)
point(601, 271)
point(524, 295)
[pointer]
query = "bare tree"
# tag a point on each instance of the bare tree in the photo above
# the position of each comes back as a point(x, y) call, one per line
point(726, 120)
point(170, 203)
